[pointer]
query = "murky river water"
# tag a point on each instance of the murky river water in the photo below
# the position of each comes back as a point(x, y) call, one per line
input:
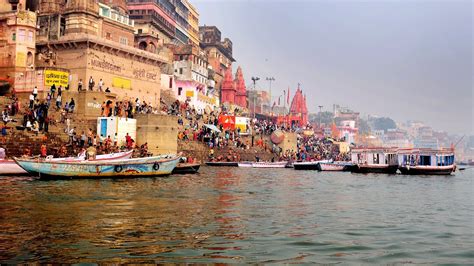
point(234, 215)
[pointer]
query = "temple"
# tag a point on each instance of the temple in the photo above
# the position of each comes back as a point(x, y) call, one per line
point(298, 109)
point(228, 91)
point(241, 92)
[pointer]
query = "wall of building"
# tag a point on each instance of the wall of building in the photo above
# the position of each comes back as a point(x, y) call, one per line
point(159, 131)
point(118, 33)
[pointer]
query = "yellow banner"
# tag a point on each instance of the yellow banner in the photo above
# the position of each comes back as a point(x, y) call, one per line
point(206, 99)
point(56, 77)
point(121, 83)
point(189, 93)
point(20, 59)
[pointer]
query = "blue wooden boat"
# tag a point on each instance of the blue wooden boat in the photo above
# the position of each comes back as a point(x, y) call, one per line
point(137, 167)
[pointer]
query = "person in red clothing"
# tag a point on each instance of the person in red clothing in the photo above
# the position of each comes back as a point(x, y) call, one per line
point(128, 140)
point(44, 152)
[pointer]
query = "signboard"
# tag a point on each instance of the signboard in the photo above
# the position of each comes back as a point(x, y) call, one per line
point(56, 77)
point(227, 121)
point(121, 83)
point(241, 122)
point(189, 93)
point(20, 59)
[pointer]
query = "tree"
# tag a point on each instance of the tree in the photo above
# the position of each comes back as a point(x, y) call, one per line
point(383, 123)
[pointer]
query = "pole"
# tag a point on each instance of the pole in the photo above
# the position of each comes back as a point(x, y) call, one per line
point(254, 79)
point(320, 107)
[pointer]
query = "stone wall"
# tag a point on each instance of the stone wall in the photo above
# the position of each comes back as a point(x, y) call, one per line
point(159, 131)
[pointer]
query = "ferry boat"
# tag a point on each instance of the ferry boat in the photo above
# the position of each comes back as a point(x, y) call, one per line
point(186, 168)
point(138, 167)
point(10, 167)
point(335, 166)
point(426, 161)
point(374, 160)
point(245, 164)
point(313, 165)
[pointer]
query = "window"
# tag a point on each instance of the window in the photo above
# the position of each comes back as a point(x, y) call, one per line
point(123, 40)
point(140, 31)
point(180, 90)
point(181, 71)
point(171, 82)
point(14, 36)
point(21, 35)
point(108, 36)
point(30, 36)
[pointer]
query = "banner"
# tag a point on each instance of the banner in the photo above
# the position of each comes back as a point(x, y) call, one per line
point(56, 77)
point(121, 83)
point(227, 121)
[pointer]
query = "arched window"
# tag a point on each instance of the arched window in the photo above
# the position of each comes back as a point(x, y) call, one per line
point(142, 45)
point(29, 59)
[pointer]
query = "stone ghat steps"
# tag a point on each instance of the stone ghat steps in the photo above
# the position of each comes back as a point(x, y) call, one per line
point(16, 143)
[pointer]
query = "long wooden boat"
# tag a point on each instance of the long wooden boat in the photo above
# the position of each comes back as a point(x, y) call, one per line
point(186, 168)
point(426, 161)
point(231, 164)
point(374, 160)
point(281, 164)
point(138, 167)
point(313, 165)
point(10, 167)
point(335, 166)
point(245, 164)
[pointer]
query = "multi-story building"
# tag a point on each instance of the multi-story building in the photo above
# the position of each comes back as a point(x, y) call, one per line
point(17, 45)
point(193, 20)
point(171, 18)
point(219, 53)
point(191, 77)
point(84, 39)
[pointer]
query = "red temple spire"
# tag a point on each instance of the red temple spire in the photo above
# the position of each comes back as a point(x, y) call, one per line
point(241, 91)
point(228, 88)
point(298, 108)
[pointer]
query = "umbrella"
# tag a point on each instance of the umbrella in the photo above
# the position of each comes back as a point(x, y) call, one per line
point(212, 127)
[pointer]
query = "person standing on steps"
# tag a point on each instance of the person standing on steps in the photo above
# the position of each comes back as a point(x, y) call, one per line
point(91, 84)
point(79, 85)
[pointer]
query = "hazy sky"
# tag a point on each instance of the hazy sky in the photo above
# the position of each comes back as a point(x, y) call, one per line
point(410, 60)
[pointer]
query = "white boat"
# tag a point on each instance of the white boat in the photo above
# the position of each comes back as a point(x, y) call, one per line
point(269, 164)
point(312, 165)
point(10, 167)
point(245, 164)
point(374, 160)
point(335, 166)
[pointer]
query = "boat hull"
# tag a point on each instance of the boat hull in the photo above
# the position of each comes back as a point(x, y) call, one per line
point(269, 164)
point(335, 166)
point(140, 167)
point(186, 168)
point(228, 164)
point(382, 169)
point(427, 170)
point(306, 166)
point(9, 167)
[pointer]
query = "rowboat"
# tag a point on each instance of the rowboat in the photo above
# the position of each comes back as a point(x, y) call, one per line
point(231, 164)
point(314, 165)
point(245, 164)
point(281, 164)
point(137, 167)
point(10, 167)
point(186, 168)
point(335, 166)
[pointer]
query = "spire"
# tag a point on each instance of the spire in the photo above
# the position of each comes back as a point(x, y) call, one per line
point(228, 87)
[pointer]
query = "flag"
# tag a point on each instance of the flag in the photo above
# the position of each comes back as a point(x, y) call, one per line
point(279, 100)
point(288, 96)
point(274, 103)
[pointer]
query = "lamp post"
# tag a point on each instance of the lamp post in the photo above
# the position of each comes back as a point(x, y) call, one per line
point(254, 79)
point(320, 107)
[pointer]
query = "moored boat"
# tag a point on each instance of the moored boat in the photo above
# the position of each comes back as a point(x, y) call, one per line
point(281, 164)
point(335, 166)
point(10, 167)
point(186, 168)
point(148, 166)
point(374, 160)
point(245, 164)
point(426, 161)
point(313, 165)
point(231, 164)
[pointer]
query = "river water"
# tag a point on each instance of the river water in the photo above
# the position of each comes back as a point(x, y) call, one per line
point(235, 215)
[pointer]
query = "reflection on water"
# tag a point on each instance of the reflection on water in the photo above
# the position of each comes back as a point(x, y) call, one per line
point(239, 215)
